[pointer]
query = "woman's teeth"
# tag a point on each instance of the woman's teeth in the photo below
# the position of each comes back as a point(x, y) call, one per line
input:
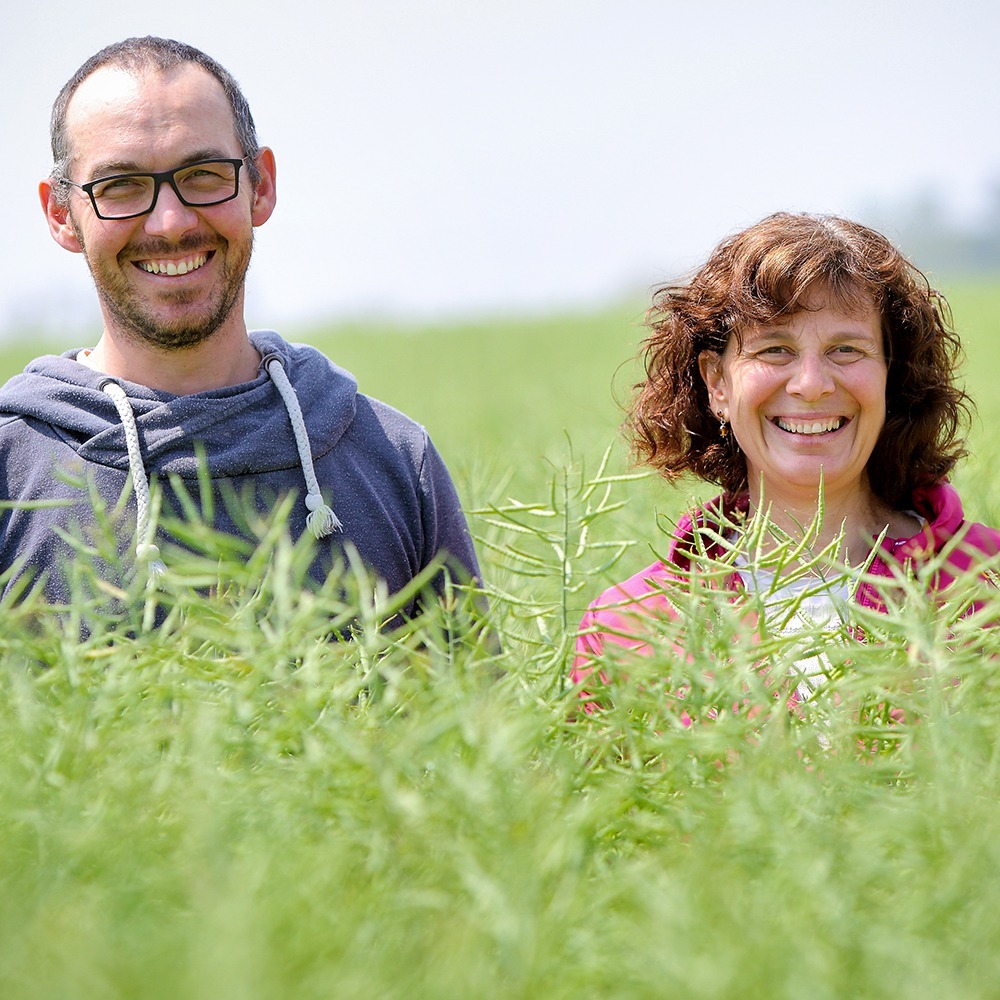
point(810, 426)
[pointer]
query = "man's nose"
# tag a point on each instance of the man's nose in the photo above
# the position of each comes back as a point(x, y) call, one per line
point(170, 217)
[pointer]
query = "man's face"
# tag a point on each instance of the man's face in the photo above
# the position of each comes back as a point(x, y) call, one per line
point(172, 278)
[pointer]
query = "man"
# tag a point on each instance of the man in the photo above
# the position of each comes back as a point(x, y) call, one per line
point(158, 180)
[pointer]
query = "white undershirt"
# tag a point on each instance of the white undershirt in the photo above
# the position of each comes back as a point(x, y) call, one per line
point(822, 610)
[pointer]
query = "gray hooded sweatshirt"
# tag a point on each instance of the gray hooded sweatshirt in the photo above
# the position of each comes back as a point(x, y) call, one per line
point(369, 474)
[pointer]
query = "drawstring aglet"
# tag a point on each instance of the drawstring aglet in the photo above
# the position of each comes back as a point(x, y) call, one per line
point(150, 554)
point(321, 520)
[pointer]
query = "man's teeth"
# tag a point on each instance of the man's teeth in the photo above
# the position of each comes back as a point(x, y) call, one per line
point(174, 266)
point(810, 426)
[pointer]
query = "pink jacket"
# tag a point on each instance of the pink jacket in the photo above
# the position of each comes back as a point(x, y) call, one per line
point(617, 616)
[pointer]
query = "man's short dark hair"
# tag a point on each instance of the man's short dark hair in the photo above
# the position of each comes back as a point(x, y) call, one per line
point(137, 55)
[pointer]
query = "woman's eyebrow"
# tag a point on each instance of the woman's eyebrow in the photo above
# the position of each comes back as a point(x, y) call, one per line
point(768, 333)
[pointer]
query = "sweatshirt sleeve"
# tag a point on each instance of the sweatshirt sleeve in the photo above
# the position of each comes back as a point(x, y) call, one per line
point(589, 646)
point(446, 531)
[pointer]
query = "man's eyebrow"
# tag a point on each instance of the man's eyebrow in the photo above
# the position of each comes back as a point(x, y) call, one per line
point(108, 168)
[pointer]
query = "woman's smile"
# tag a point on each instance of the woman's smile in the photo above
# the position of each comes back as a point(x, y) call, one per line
point(809, 425)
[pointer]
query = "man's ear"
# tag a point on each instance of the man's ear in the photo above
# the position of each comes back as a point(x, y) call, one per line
point(265, 194)
point(57, 215)
point(712, 374)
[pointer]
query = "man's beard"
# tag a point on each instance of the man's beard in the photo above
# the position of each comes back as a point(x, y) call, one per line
point(132, 314)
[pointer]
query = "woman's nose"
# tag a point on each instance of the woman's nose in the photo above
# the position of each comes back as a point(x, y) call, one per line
point(812, 378)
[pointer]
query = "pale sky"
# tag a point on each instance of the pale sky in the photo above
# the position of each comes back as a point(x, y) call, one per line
point(443, 158)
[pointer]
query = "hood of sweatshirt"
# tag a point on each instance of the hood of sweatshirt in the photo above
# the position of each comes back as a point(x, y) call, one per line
point(242, 428)
point(939, 507)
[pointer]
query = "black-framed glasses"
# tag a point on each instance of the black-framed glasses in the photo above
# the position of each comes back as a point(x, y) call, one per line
point(197, 185)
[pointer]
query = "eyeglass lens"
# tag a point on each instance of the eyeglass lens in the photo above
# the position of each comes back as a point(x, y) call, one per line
point(133, 194)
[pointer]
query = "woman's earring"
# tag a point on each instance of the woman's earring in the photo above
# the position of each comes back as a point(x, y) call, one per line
point(723, 424)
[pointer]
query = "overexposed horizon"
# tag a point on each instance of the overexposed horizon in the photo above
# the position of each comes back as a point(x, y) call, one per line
point(446, 158)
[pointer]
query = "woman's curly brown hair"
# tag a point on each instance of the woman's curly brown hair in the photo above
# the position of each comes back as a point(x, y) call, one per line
point(762, 275)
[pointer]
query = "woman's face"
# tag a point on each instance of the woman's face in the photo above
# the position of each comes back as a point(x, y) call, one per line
point(804, 397)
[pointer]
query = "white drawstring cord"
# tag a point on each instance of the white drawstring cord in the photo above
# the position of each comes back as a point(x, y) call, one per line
point(321, 519)
point(145, 549)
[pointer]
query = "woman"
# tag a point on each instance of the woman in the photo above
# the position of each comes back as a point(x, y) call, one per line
point(807, 369)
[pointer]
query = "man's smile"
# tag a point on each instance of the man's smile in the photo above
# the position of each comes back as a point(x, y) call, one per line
point(173, 267)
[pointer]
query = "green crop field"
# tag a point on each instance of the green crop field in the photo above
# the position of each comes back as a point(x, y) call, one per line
point(232, 806)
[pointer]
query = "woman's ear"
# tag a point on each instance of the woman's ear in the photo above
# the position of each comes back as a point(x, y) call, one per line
point(712, 374)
